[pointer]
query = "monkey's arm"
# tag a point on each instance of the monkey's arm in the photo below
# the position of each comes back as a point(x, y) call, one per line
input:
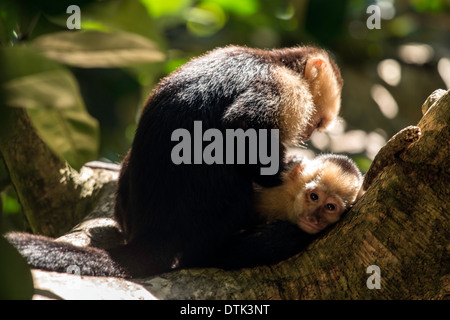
point(390, 152)
point(264, 244)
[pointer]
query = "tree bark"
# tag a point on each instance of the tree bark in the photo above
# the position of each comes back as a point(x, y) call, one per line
point(401, 226)
point(53, 196)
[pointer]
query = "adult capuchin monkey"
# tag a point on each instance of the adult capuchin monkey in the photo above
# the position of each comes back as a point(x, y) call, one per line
point(183, 214)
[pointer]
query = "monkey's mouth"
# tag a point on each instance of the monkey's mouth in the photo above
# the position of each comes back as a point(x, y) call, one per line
point(308, 226)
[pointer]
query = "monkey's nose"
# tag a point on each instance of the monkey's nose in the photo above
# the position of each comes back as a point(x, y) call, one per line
point(312, 219)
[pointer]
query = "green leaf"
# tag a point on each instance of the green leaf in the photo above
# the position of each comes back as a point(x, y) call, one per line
point(239, 7)
point(18, 61)
point(94, 49)
point(51, 89)
point(9, 19)
point(165, 8)
point(10, 205)
point(51, 96)
point(363, 163)
point(205, 19)
point(16, 282)
point(72, 134)
point(121, 15)
point(116, 16)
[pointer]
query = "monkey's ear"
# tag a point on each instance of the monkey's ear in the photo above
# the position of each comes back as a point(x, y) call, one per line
point(314, 66)
point(296, 171)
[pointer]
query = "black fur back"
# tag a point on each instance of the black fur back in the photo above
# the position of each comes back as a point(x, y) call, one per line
point(176, 216)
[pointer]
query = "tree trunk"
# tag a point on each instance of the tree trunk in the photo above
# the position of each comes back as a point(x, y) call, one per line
point(392, 245)
point(53, 196)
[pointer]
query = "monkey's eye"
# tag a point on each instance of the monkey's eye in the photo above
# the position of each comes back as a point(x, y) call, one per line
point(331, 207)
point(314, 196)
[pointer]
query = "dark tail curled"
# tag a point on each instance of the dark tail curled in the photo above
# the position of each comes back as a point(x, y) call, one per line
point(47, 254)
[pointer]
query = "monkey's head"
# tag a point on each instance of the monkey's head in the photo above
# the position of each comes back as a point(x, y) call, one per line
point(325, 83)
point(330, 185)
point(310, 85)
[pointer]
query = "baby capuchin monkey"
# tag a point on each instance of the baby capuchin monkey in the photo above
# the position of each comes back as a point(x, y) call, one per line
point(314, 194)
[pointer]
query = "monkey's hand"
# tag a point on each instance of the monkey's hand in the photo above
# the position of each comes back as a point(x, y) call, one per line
point(390, 152)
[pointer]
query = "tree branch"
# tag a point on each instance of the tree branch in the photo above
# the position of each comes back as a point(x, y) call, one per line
point(53, 196)
point(401, 225)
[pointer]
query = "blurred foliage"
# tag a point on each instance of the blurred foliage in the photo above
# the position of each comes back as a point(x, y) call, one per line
point(50, 94)
point(83, 89)
point(16, 282)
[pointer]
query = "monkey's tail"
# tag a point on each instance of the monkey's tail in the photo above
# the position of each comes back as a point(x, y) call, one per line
point(47, 254)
